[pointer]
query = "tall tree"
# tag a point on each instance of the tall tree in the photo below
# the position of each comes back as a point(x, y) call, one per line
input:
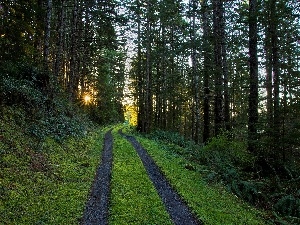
point(225, 70)
point(195, 72)
point(206, 70)
point(60, 40)
point(47, 33)
point(276, 67)
point(73, 78)
point(218, 78)
point(148, 94)
point(253, 63)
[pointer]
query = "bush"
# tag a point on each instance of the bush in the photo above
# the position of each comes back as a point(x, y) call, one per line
point(170, 137)
point(225, 152)
point(288, 206)
point(23, 88)
point(22, 83)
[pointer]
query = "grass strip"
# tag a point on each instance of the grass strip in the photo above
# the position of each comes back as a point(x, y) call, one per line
point(49, 185)
point(212, 204)
point(134, 199)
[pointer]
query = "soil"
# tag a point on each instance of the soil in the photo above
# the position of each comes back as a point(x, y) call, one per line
point(97, 208)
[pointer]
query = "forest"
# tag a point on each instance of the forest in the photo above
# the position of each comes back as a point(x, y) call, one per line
point(216, 81)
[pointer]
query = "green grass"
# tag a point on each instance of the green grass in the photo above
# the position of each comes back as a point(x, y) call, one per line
point(134, 199)
point(212, 204)
point(45, 182)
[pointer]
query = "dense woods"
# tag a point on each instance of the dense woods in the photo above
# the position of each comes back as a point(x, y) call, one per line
point(72, 44)
point(219, 74)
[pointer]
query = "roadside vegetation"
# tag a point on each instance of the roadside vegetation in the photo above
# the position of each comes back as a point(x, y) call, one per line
point(225, 161)
point(44, 181)
point(212, 203)
point(49, 152)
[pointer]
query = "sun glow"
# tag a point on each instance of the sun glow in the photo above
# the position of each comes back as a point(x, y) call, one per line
point(87, 99)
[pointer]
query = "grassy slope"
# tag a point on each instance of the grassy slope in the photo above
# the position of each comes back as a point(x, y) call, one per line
point(211, 203)
point(45, 182)
point(48, 182)
point(134, 199)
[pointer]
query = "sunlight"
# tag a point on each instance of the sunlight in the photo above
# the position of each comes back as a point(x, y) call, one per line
point(130, 114)
point(87, 99)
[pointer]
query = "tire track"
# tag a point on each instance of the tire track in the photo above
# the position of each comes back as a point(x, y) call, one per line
point(175, 206)
point(97, 207)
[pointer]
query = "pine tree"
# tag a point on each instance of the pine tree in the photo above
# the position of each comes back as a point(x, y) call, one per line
point(253, 94)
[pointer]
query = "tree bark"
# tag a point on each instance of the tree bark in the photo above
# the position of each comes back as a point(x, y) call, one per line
point(276, 70)
point(139, 76)
point(218, 101)
point(73, 76)
point(195, 73)
point(225, 72)
point(60, 41)
point(253, 94)
point(47, 34)
point(148, 105)
point(206, 62)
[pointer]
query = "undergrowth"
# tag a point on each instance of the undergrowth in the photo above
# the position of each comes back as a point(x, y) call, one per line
point(212, 204)
point(228, 161)
point(44, 180)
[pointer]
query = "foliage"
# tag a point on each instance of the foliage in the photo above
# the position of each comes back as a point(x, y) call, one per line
point(22, 83)
point(131, 114)
point(288, 206)
point(211, 203)
point(229, 162)
point(220, 151)
point(23, 88)
point(44, 182)
point(227, 151)
point(170, 137)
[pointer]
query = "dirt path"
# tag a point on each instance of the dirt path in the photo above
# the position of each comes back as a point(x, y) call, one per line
point(175, 206)
point(96, 211)
point(97, 208)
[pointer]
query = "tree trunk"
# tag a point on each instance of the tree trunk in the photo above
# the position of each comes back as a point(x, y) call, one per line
point(206, 62)
point(253, 93)
point(148, 119)
point(139, 77)
point(60, 41)
point(73, 54)
point(47, 34)
point(218, 101)
point(195, 74)
point(225, 72)
point(276, 71)
point(269, 82)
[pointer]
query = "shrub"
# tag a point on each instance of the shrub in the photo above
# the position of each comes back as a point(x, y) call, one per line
point(224, 151)
point(21, 83)
point(288, 206)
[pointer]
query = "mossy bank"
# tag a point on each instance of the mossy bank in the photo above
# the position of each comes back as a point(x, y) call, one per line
point(45, 181)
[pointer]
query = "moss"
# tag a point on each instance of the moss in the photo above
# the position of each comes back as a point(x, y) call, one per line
point(45, 182)
point(212, 204)
point(134, 199)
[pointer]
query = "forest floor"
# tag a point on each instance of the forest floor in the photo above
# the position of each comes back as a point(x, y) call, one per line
point(117, 194)
point(138, 181)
